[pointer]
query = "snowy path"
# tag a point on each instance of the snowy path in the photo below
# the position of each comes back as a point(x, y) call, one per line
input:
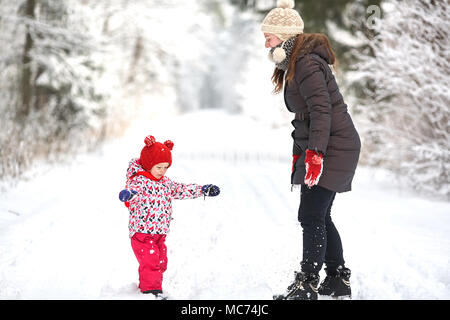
point(63, 233)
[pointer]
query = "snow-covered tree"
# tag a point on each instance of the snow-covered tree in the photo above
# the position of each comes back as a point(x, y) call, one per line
point(49, 95)
point(75, 71)
point(404, 115)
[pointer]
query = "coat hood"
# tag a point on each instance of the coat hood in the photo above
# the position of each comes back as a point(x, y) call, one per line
point(324, 53)
point(134, 167)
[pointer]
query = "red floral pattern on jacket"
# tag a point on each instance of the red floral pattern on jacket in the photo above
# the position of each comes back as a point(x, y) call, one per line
point(151, 208)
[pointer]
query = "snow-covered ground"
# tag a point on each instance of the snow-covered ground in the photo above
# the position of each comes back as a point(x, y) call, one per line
point(63, 232)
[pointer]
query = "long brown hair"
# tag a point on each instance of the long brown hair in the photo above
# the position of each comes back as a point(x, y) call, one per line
point(304, 43)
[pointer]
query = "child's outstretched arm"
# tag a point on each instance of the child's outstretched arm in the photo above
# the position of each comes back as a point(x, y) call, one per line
point(183, 191)
point(191, 191)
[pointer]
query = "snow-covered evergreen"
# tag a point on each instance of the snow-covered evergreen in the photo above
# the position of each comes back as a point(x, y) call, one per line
point(404, 75)
point(49, 75)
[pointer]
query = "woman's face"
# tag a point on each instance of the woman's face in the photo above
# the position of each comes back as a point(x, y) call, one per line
point(272, 40)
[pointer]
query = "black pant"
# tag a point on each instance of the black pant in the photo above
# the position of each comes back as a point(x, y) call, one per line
point(321, 240)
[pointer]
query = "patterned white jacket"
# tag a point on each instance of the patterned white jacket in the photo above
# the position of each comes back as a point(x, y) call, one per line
point(151, 208)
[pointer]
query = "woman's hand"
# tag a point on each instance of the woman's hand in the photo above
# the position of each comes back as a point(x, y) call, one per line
point(314, 166)
point(294, 160)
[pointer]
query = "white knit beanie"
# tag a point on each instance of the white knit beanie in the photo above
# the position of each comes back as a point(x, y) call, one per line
point(283, 21)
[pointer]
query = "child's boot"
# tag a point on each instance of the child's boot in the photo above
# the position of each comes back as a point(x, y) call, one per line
point(304, 287)
point(157, 293)
point(337, 283)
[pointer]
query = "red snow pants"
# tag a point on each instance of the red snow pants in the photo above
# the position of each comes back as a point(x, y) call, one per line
point(151, 253)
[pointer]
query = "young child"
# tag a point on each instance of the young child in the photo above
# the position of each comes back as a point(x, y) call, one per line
point(148, 195)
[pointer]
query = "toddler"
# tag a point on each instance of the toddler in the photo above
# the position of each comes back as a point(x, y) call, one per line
point(148, 195)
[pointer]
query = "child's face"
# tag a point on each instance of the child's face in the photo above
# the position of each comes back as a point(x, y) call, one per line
point(159, 170)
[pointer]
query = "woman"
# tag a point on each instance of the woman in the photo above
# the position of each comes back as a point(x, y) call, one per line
point(326, 146)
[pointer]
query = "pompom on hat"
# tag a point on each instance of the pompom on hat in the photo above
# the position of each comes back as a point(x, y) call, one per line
point(284, 22)
point(155, 152)
point(278, 55)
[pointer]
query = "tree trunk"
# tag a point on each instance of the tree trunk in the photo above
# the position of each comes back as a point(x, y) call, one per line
point(26, 85)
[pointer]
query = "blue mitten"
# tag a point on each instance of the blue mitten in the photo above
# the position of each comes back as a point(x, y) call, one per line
point(126, 195)
point(210, 190)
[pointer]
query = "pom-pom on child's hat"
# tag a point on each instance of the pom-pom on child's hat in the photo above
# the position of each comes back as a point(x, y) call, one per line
point(155, 152)
point(283, 21)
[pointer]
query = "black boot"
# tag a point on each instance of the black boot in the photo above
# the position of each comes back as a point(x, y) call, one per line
point(337, 283)
point(304, 287)
point(157, 293)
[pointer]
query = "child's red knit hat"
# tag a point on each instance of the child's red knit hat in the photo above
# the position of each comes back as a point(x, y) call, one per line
point(155, 152)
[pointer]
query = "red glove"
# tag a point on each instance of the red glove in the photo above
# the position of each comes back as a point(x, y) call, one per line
point(294, 159)
point(314, 166)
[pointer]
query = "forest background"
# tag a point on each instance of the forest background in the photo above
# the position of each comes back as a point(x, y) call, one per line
point(75, 74)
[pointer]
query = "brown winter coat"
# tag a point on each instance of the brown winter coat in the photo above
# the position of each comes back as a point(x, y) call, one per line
point(321, 122)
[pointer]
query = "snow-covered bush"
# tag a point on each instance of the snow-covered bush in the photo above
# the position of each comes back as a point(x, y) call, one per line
point(404, 115)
